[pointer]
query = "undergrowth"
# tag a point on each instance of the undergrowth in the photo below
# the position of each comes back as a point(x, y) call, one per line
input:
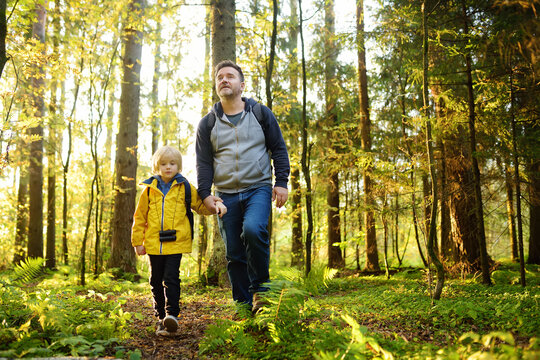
point(324, 317)
point(45, 313)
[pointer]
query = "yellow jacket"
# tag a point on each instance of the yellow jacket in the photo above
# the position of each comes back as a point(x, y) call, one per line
point(154, 209)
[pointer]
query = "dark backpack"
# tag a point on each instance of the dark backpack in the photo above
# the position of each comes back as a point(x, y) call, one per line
point(257, 111)
point(189, 213)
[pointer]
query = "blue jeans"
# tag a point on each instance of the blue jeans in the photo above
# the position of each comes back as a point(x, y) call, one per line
point(244, 229)
point(165, 283)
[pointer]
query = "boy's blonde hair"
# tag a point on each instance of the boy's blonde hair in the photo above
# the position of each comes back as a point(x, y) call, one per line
point(166, 152)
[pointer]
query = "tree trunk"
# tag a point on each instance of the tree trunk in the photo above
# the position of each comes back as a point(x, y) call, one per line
point(21, 232)
point(206, 104)
point(306, 149)
point(269, 97)
point(534, 207)
point(445, 249)
point(35, 227)
point(223, 39)
point(518, 182)
point(155, 91)
point(431, 160)
point(478, 209)
point(372, 255)
point(3, 34)
point(51, 152)
point(335, 258)
point(216, 272)
point(510, 213)
point(297, 245)
point(122, 254)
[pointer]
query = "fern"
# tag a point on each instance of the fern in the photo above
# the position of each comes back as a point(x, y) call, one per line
point(28, 270)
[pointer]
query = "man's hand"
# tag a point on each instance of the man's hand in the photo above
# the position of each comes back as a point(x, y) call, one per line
point(280, 195)
point(140, 250)
point(210, 203)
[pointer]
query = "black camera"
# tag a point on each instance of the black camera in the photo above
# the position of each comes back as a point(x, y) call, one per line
point(167, 235)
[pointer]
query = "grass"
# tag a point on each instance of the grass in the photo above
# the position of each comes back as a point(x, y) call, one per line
point(326, 316)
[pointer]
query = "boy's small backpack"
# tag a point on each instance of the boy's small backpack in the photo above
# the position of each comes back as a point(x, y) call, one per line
point(187, 188)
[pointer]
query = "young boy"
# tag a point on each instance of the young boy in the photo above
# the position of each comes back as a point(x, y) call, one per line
point(163, 229)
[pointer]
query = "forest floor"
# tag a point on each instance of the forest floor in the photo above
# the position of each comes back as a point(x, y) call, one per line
point(196, 313)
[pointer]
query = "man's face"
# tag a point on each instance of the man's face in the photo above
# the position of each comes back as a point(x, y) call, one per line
point(228, 83)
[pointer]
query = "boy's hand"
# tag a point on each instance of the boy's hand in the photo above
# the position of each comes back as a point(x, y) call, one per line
point(140, 250)
point(210, 203)
point(221, 208)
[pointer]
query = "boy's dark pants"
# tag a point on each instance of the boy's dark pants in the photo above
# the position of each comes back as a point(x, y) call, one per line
point(165, 283)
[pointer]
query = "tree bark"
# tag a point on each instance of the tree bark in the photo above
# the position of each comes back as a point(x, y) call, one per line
point(510, 213)
point(51, 152)
point(534, 211)
point(432, 232)
point(35, 227)
point(372, 255)
point(297, 245)
point(21, 231)
point(335, 258)
point(3, 35)
point(155, 90)
point(478, 208)
point(122, 254)
point(223, 39)
point(306, 149)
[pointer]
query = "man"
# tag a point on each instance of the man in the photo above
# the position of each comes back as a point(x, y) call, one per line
point(234, 145)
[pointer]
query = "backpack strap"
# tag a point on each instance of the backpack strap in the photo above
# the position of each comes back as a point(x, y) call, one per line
point(189, 213)
point(257, 111)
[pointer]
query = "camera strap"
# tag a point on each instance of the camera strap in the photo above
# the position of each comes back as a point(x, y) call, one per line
point(187, 198)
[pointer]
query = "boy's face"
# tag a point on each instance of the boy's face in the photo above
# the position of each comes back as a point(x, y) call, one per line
point(168, 168)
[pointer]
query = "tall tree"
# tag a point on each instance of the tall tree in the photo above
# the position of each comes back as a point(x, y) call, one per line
point(3, 34)
point(207, 91)
point(432, 231)
point(335, 258)
point(478, 208)
point(534, 212)
point(21, 228)
point(223, 40)
point(306, 149)
point(122, 254)
point(372, 255)
point(297, 246)
point(52, 149)
point(35, 227)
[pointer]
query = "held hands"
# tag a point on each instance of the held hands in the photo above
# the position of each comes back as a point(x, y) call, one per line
point(215, 205)
point(140, 250)
point(221, 208)
point(280, 195)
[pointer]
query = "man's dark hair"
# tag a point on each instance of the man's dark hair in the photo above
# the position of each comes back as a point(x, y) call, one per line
point(228, 63)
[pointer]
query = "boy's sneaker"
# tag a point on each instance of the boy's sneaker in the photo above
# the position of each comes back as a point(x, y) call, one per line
point(160, 329)
point(170, 323)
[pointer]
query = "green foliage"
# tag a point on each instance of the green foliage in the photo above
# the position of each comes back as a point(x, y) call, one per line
point(374, 318)
point(28, 270)
point(58, 318)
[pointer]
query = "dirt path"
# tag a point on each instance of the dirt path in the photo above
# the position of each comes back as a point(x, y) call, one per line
point(195, 316)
